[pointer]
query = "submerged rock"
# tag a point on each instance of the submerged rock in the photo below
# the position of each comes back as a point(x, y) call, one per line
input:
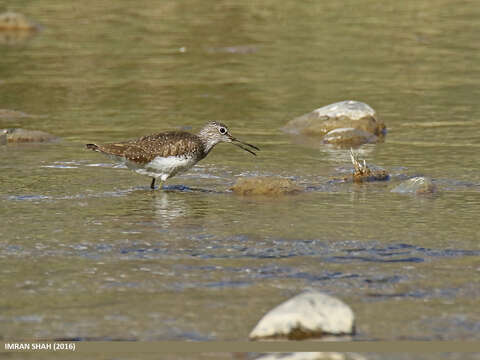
point(349, 137)
point(307, 315)
point(23, 135)
point(345, 114)
point(417, 185)
point(270, 186)
point(11, 21)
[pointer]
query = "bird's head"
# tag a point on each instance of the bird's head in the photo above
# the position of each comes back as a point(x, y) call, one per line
point(216, 132)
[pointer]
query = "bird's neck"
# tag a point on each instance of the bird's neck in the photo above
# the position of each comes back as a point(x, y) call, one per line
point(208, 145)
point(207, 142)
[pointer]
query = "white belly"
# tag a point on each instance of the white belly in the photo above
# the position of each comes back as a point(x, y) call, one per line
point(163, 167)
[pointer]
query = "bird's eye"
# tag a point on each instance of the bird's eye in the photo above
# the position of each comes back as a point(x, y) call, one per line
point(222, 130)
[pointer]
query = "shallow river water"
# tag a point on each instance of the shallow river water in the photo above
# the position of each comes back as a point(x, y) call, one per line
point(89, 252)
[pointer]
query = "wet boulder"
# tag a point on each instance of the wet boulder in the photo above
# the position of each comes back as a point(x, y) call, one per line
point(311, 314)
point(11, 21)
point(24, 136)
point(347, 114)
point(269, 186)
point(418, 185)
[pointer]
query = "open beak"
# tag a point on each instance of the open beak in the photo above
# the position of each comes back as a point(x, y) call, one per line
point(240, 144)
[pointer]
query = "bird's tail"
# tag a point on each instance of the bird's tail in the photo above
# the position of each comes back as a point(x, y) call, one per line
point(93, 147)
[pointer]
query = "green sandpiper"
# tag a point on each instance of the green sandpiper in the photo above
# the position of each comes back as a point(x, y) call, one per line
point(166, 154)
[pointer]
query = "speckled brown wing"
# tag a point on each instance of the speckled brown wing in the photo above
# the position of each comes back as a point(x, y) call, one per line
point(170, 143)
point(146, 148)
point(123, 150)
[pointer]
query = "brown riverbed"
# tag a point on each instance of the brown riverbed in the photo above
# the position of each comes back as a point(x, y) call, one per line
point(89, 252)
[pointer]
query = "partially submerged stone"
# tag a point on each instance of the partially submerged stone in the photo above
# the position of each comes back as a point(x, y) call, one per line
point(349, 137)
point(363, 173)
point(23, 136)
point(343, 114)
point(307, 315)
point(11, 21)
point(418, 185)
point(270, 186)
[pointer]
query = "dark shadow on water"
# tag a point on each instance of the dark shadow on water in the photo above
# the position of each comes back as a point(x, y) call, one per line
point(168, 189)
point(183, 188)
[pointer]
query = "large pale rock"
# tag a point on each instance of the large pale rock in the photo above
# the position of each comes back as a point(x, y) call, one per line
point(310, 314)
point(343, 114)
point(418, 185)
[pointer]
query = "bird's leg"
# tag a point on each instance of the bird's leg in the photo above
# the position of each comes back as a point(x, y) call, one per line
point(160, 184)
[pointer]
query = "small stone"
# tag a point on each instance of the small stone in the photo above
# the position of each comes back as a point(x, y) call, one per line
point(270, 186)
point(23, 136)
point(417, 185)
point(344, 114)
point(307, 315)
